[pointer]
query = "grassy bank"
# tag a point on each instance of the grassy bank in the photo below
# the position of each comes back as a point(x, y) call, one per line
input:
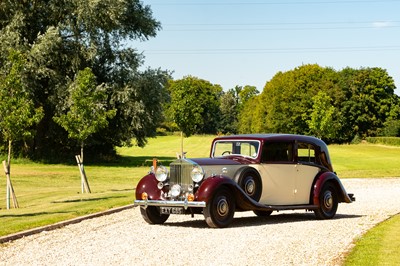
point(379, 246)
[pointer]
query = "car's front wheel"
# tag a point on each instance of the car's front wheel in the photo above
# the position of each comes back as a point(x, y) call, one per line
point(220, 209)
point(328, 202)
point(152, 215)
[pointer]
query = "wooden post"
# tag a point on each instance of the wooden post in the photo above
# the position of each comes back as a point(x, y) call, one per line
point(84, 182)
point(10, 190)
point(154, 164)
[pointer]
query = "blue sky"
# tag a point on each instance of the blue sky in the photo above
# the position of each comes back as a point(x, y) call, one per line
point(240, 42)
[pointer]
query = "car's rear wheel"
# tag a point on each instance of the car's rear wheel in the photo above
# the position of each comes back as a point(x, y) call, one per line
point(250, 181)
point(328, 202)
point(220, 209)
point(152, 215)
point(262, 213)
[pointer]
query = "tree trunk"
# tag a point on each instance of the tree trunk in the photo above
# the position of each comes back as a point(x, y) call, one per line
point(82, 152)
point(9, 156)
point(9, 188)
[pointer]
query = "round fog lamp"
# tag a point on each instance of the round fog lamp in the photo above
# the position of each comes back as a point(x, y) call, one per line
point(175, 190)
point(190, 197)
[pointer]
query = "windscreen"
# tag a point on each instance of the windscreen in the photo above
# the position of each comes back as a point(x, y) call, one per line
point(236, 147)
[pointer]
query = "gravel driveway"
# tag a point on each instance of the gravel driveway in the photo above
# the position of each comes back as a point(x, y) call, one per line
point(284, 238)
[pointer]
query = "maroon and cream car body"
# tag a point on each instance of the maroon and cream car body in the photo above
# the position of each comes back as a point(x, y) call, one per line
point(258, 172)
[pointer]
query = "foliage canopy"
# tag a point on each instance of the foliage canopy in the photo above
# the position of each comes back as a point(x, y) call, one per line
point(17, 111)
point(86, 106)
point(333, 105)
point(62, 38)
point(195, 105)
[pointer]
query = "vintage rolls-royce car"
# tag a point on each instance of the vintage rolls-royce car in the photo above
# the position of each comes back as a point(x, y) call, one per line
point(258, 172)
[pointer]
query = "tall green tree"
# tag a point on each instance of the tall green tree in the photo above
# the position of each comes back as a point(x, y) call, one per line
point(86, 108)
point(195, 105)
point(392, 124)
point(61, 38)
point(250, 116)
point(246, 93)
point(286, 98)
point(18, 113)
point(322, 118)
point(140, 107)
point(229, 113)
point(369, 96)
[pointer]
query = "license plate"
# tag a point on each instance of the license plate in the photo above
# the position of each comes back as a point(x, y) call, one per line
point(171, 210)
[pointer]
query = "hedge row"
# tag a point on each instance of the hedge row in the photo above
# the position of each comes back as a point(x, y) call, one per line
point(393, 141)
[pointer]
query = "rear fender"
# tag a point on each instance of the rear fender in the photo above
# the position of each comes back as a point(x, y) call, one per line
point(148, 184)
point(323, 178)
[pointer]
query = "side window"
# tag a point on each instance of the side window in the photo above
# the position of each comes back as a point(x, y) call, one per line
point(306, 152)
point(277, 152)
point(248, 149)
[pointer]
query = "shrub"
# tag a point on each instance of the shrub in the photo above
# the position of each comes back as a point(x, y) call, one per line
point(392, 141)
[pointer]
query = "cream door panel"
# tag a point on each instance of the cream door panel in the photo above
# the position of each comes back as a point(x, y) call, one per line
point(304, 178)
point(278, 183)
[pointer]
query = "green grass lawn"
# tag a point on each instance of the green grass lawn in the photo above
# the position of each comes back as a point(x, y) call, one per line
point(365, 160)
point(379, 246)
point(167, 147)
point(49, 193)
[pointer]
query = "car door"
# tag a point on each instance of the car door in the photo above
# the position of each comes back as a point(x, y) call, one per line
point(306, 170)
point(278, 172)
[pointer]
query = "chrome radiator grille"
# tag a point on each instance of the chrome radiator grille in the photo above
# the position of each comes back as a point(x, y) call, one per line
point(180, 172)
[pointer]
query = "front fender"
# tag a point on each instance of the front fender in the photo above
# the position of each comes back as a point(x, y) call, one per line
point(148, 184)
point(329, 177)
point(210, 185)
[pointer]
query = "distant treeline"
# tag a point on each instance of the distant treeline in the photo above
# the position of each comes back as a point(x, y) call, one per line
point(336, 106)
point(333, 105)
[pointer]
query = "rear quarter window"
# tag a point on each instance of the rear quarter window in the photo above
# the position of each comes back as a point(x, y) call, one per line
point(306, 153)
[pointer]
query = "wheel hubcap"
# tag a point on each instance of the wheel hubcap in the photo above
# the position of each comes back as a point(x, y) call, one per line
point(250, 186)
point(328, 200)
point(222, 207)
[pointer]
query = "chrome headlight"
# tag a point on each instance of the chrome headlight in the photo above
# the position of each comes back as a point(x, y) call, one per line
point(161, 173)
point(197, 173)
point(175, 190)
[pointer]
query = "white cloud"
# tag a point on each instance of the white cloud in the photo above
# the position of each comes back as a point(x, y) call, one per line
point(381, 24)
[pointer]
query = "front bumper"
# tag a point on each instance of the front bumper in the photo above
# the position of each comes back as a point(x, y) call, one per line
point(170, 203)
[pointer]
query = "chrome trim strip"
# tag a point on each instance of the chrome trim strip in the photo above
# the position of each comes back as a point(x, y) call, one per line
point(170, 203)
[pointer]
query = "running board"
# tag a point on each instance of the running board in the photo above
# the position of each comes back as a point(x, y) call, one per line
point(288, 207)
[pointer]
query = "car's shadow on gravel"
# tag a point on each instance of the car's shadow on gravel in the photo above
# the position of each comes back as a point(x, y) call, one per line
point(279, 218)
